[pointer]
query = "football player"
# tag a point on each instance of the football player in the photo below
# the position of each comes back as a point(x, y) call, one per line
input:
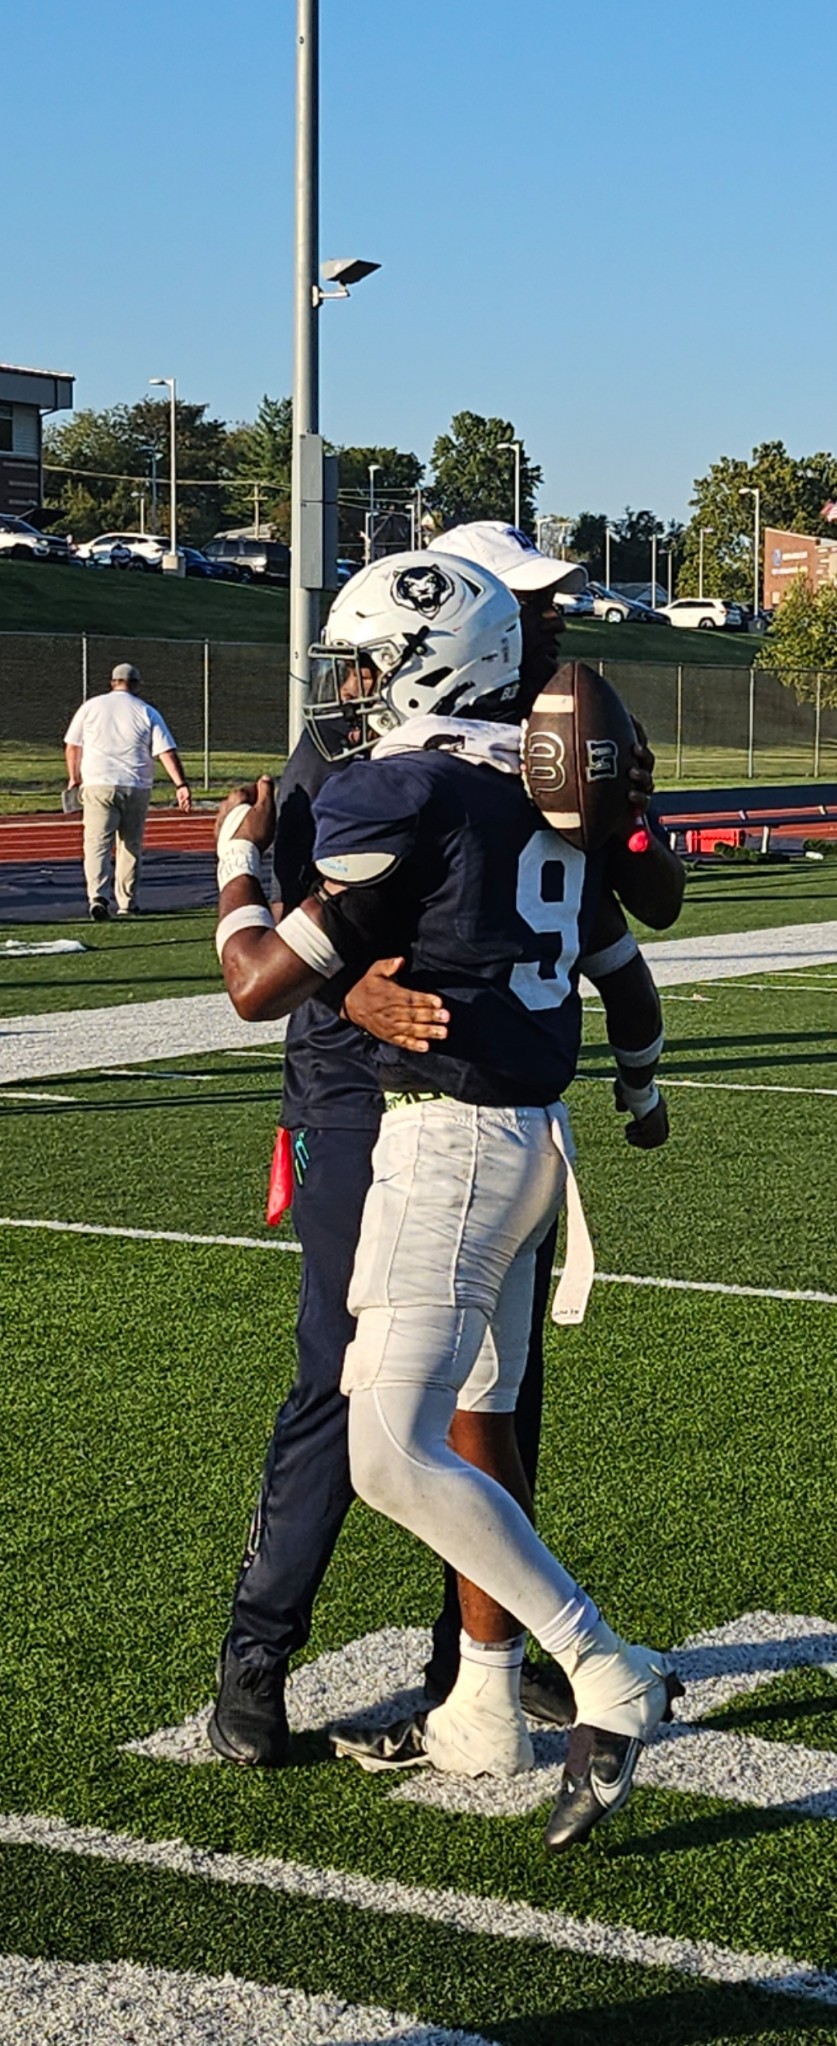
point(654, 892)
point(331, 1112)
point(438, 839)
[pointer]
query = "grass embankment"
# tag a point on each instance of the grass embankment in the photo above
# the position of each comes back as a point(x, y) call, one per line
point(46, 598)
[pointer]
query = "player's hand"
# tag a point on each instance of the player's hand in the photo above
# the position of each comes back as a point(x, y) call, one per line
point(651, 1131)
point(399, 1015)
point(184, 797)
point(260, 825)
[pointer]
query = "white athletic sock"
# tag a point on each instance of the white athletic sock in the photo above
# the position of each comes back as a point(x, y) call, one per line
point(480, 1728)
point(618, 1687)
point(489, 1673)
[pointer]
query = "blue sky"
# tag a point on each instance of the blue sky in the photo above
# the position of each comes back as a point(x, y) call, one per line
point(608, 224)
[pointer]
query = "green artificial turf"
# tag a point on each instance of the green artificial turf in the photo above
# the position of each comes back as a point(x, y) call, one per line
point(687, 1475)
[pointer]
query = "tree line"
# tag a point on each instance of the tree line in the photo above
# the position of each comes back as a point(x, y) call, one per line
point(107, 470)
point(98, 470)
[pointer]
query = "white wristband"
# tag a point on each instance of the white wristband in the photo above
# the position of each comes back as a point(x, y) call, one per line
point(640, 1100)
point(240, 856)
point(646, 1056)
point(310, 943)
point(230, 825)
point(253, 916)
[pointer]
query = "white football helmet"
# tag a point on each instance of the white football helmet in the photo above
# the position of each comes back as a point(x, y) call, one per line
point(411, 633)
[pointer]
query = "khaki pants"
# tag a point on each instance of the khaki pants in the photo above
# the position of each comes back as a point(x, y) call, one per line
point(113, 816)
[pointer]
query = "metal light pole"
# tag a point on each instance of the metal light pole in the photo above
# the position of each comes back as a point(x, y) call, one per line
point(513, 446)
point(171, 561)
point(151, 452)
point(373, 468)
point(753, 490)
point(703, 531)
point(609, 535)
point(304, 603)
point(654, 568)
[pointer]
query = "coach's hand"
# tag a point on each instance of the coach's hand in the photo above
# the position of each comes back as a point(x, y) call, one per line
point(399, 1015)
point(260, 824)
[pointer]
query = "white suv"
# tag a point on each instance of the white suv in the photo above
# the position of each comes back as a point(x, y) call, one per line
point(141, 546)
point(709, 614)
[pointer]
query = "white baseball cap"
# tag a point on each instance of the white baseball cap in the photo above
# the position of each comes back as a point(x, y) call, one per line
point(506, 551)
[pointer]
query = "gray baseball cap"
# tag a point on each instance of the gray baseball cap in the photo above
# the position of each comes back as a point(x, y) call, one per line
point(125, 673)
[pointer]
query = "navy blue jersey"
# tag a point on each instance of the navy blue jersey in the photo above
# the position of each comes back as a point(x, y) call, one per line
point(331, 1069)
point(490, 906)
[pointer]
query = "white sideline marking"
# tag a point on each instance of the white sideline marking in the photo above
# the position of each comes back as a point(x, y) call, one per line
point(112, 2001)
point(802, 1294)
point(491, 1917)
point(378, 1679)
point(28, 1094)
point(128, 1033)
point(71, 1040)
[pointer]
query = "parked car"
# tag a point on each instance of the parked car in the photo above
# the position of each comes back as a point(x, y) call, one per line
point(575, 603)
point(119, 550)
point(198, 564)
point(20, 541)
point(618, 610)
point(708, 614)
point(256, 560)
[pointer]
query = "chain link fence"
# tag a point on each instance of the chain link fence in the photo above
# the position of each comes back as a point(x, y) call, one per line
point(711, 726)
point(225, 702)
point(227, 705)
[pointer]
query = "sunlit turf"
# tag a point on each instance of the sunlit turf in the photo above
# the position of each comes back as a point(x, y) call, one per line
point(687, 1475)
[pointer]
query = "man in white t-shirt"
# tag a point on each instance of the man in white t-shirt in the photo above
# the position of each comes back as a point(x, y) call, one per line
point(111, 745)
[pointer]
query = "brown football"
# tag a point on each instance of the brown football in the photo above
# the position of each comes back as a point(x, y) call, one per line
point(577, 749)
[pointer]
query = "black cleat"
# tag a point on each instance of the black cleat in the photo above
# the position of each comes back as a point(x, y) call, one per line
point(99, 911)
point(546, 1694)
point(249, 1723)
point(598, 1777)
point(397, 1746)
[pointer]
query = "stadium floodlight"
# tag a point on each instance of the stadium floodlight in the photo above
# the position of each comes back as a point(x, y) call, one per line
point(342, 271)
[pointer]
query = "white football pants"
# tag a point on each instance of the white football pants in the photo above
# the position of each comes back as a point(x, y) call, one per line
point(461, 1198)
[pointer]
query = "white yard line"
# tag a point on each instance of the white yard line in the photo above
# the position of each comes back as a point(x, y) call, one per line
point(490, 1917)
point(81, 1040)
point(67, 2002)
point(714, 1086)
point(284, 1243)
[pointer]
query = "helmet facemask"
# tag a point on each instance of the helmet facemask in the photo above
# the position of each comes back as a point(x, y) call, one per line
point(377, 667)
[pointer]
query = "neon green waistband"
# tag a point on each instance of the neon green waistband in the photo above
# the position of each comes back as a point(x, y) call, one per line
point(413, 1099)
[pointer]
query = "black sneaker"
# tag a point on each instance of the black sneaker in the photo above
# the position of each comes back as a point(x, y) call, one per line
point(546, 1694)
point(249, 1723)
point(598, 1777)
point(397, 1746)
point(99, 911)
